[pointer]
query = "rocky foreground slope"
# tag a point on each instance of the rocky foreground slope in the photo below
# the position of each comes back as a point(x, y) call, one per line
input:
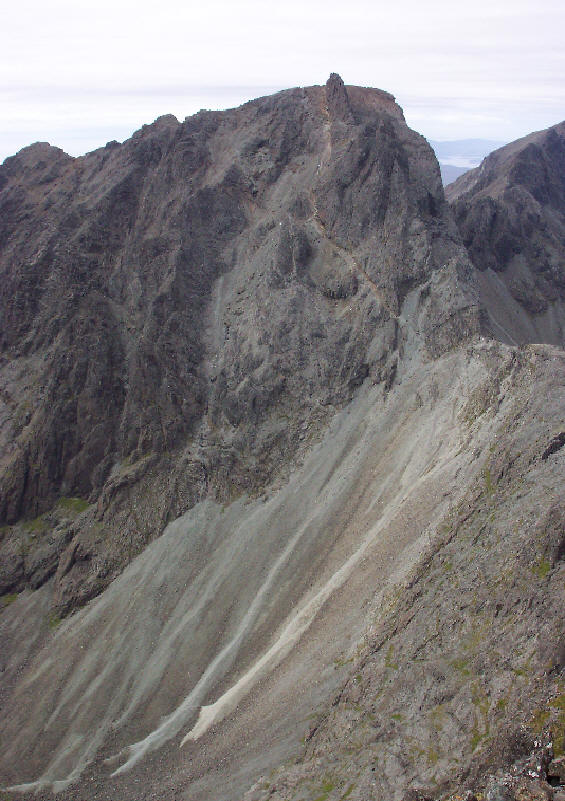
point(457, 688)
point(267, 475)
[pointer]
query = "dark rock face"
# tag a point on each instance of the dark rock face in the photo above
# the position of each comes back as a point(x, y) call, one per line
point(511, 214)
point(175, 309)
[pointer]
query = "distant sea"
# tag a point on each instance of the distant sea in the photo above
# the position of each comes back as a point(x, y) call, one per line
point(457, 156)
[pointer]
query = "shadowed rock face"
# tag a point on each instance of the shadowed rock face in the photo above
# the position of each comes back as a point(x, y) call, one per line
point(511, 214)
point(177, 312)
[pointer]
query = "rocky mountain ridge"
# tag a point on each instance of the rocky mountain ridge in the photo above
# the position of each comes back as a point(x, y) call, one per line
point(258, 436)
point(510, 211)
point(178, 311)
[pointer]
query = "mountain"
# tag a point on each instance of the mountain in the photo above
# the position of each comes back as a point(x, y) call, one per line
point(282, 514)
point(178, 311)
point(511, 214)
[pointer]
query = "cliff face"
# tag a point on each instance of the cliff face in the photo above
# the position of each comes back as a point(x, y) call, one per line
point(251, 437)
point(511, 214)
point(178, 311)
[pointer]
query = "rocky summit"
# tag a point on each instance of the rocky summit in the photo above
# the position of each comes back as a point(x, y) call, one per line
point(281, 462)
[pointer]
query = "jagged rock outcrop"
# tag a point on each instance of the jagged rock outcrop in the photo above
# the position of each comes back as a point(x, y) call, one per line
point(178, 310)
point(511, 214)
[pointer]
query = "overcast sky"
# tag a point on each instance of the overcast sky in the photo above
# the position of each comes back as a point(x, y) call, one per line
point(78, 73)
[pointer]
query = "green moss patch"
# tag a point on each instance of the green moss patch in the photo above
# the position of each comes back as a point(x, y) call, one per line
point(326, 789)
point(53, 621)
point(541, 568)
point(488, 481)
point(389, 661)
point(6, 600)
point(73, 505)
point(36, 525)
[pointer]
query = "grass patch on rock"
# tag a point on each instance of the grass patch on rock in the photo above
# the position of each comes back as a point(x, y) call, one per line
point(326, 788)
point(72, 505)
point(541, 568)
point(37, 525)
point(389, 661)
point(348, 792)
point(5, 601)
point(53, 621)
point(489, 486)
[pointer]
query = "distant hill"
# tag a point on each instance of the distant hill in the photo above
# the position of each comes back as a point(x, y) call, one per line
point(459, 155)
point(449, 173)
